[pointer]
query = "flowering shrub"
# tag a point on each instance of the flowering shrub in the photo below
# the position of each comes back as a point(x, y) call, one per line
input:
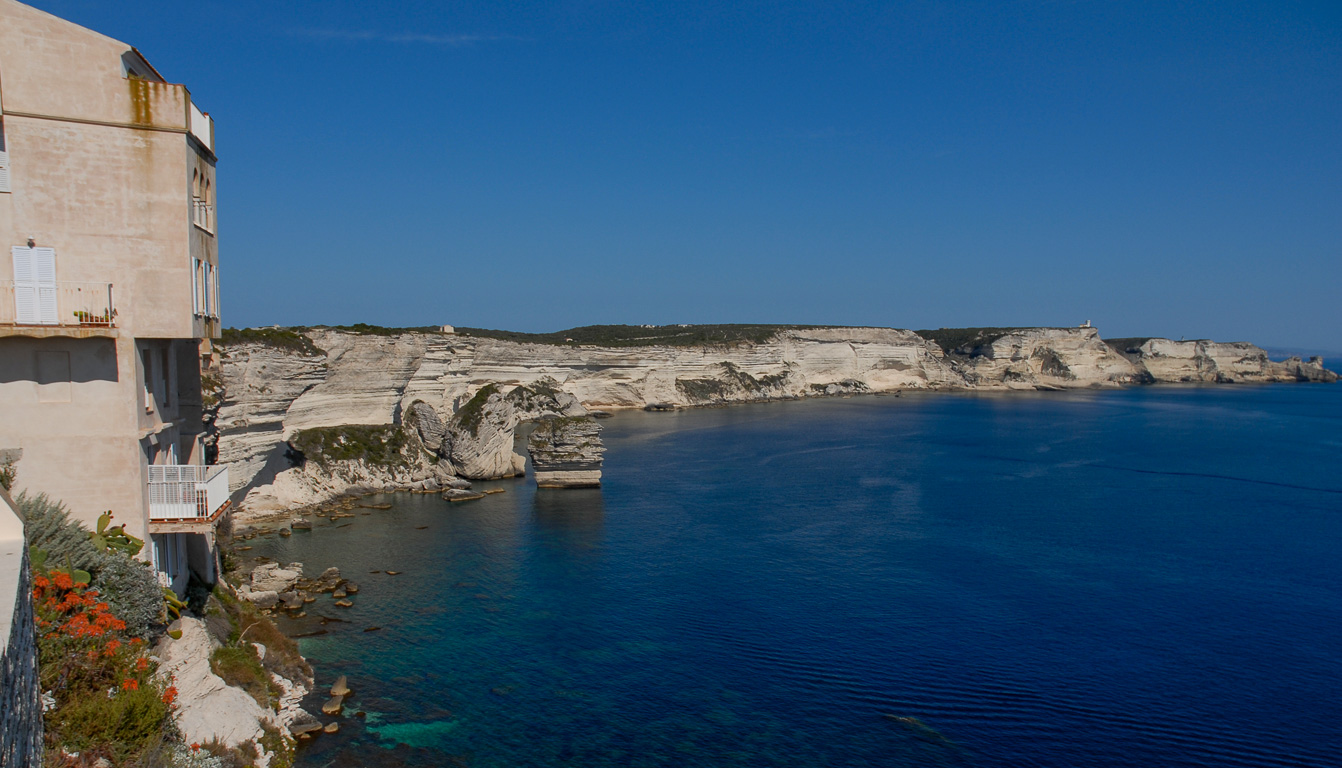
point(108, 701)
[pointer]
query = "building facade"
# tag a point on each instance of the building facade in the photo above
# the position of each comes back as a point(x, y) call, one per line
point(108, 286)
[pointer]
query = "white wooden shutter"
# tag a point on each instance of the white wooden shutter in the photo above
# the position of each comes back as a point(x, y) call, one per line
point(44, 263)
point(25, 286)
point(4, 167)
point(195, 286)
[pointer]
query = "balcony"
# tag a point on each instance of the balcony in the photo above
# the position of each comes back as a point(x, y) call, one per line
point(202, 127)
point(59, 308)
point(202, 214)
point(186, 497)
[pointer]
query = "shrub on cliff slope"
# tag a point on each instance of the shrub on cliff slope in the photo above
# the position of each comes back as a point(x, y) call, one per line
point(48, 527)
point(108, 701)
point(277, 338)
point(469, 415)
point(382, 445)
point(128, 586)
point(132, 592)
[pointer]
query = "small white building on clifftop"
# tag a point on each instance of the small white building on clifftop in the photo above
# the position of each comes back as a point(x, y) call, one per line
point(109, 285)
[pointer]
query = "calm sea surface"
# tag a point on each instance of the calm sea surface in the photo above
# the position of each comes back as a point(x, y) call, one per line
point(1150, 577)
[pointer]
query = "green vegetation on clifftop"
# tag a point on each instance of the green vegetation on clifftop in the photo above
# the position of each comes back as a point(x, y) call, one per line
point(642, 336)
point(966, 339)
point(288, 339)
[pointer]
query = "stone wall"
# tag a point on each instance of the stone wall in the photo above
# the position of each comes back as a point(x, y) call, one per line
point(20, 695)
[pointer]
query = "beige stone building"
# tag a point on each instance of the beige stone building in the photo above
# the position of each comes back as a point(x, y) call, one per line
point(108, 285)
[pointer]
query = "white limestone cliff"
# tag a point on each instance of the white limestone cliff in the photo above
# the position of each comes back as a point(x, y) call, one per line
point(272, 394)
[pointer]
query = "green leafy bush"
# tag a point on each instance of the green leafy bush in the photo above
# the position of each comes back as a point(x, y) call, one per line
point(239, 666)
point(48, 527)
point(132, 592)
point(248, 625)
point(108, 701)
point(379, 444)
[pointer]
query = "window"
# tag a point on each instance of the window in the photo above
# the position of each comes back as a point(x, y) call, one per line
point(148, 361)
point(34, 285)
point(202, 201)
point(164, 380)
point(196, 286)
point(4, 159)
point(212, 290)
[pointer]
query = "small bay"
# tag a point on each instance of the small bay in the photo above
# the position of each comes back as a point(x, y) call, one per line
point(1139, 577)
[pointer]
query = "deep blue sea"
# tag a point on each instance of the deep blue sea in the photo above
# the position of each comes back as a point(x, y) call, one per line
point(1148, 577)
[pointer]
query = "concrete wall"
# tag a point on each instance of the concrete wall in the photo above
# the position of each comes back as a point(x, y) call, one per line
point(101, 170)
point(80, 438)
point(20, 692)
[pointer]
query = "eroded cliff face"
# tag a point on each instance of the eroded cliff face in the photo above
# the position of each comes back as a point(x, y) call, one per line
point(1225, 363)
point(1048, 358)
point(464, 397)
point(261, 383)
point(566, 452)
point(481, 434)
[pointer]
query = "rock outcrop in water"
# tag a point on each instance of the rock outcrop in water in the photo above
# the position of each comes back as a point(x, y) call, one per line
point(483, 430)
point(448, 406)
point(566, 452)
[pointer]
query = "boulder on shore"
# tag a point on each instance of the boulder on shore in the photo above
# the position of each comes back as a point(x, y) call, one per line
point(271, 578)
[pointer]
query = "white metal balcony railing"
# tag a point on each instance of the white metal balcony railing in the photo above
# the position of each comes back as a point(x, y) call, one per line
point(60, 303)
point(186, 491)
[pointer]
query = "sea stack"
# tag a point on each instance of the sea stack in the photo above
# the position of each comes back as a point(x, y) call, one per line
point(566, 452)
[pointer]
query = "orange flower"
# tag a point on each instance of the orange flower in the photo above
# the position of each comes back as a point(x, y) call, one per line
point(129, 685)
point(141, 664)
point(170, 695)
point(195, 747)
point(62, 580)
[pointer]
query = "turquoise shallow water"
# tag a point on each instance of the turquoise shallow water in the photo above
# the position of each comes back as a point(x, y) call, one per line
point(1145, 577)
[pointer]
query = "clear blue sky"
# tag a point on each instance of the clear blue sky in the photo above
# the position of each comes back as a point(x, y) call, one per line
point(1157, 168)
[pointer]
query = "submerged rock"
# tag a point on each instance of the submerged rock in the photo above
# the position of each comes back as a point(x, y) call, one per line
point(340, 687)
point(566, 452)
point(334, 705)
point(457, 495)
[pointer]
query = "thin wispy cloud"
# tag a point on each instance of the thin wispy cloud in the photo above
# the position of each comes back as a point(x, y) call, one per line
point(378, 36)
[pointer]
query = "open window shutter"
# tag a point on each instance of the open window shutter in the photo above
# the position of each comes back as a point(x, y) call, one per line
point(34, 285)
point(44, 267)
point(25, 285)
point(4, 168)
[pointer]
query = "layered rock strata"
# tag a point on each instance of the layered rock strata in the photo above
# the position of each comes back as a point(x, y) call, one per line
point(482, 433)
point(566, 452)
point(459, 399)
